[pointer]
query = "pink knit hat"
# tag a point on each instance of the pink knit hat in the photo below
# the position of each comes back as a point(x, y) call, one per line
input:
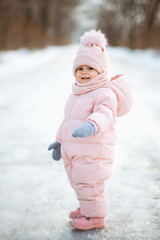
point(92, 51)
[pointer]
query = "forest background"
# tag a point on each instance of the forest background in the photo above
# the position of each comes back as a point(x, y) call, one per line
point(38, 23)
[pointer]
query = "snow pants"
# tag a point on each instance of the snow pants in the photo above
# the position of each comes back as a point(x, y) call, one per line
point(87, 177)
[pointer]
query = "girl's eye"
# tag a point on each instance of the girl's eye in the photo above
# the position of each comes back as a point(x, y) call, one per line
point(90, 68)
point(80, 69)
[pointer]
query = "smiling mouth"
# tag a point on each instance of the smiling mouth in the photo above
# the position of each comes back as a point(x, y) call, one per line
point(84, 78)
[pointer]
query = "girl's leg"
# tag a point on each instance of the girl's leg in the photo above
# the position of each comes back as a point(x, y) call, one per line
point(88, 176)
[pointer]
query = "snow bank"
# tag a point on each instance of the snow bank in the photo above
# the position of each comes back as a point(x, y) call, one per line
point(22, 60)
point(149, 58)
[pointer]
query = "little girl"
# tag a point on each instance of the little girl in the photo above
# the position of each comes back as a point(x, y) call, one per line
point(86, 137)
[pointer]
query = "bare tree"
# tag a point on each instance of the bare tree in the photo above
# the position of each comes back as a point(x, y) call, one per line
point(35, 23)
point(131, 22)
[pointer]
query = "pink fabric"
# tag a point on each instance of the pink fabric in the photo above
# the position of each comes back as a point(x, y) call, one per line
point(88, 161)
point(99, 81)
point(92, 52)
point(92, 56)
point(118, 85)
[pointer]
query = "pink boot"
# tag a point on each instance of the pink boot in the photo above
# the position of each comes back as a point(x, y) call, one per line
point(75, 213)
point(86, 223)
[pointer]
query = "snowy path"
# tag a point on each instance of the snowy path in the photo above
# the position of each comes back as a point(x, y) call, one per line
point(35, 195)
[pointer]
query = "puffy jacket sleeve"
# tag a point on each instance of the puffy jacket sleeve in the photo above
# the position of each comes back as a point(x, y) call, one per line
point(104, 110)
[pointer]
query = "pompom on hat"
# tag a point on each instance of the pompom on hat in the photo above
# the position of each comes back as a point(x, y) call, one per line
point(92, 52)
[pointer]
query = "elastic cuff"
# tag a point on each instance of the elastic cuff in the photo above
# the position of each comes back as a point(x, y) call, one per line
point(95, 126)
point(58, 140)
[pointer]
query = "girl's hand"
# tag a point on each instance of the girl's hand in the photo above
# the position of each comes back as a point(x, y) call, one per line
point(56, 154)
point(84, 130)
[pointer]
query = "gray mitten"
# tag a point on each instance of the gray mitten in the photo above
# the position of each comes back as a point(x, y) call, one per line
point(85, 130)
point(56, 154)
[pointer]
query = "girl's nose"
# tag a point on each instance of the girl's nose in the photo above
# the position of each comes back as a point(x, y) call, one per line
point(84, 72)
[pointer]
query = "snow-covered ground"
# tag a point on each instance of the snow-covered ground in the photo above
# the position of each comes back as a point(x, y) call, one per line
point(35, 195)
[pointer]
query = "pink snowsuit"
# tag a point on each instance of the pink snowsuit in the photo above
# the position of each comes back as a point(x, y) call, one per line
point(88, 161)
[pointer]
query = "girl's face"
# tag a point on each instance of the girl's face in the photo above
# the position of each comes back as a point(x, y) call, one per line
point(84, 73)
